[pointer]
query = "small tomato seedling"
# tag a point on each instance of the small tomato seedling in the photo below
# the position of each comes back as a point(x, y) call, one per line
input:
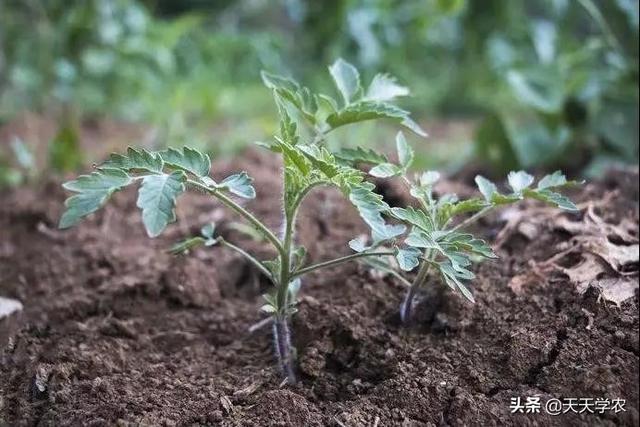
point(165, 175)
point(434, 242)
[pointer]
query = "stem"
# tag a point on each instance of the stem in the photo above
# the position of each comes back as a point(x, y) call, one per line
point(227, 201)
point(473, 218)
point(248, 256)
point(282, 340)
point(407, 304)
point(338, 261)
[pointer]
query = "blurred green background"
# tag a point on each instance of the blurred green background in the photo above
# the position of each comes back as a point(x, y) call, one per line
point(498, 84)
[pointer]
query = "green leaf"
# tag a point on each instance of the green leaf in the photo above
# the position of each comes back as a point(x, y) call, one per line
point(326, 107)
point(370, 206)
point(451, 279)
point(385, 170)
point(93, 192)
point(405, 152)
point(240, 185)
point(358, 244)
point(346, 78)
point(414, 217)
point(188, 160)
point(361, 155)
point(294, 156)
point(276, 82)
point(520, 180)
point(321, 159)
point(408, 258)
point(369, 110)
point(157, 199)
point(552, 198)
point(467, 243)
point(135, 159)
point(384, 87)
point(420, 239)
point(294, 289)
point(491, 193)
point(207, 231)
point(486, 187)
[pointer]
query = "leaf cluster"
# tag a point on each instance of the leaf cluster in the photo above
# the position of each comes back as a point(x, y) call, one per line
point(163, 177)
point(432, 238)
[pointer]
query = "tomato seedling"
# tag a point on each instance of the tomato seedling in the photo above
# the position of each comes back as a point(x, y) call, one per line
point(165, 175)
point(435, 240)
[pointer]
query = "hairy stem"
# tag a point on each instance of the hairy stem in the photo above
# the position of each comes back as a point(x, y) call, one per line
point(284, 350)
point(406, 310)
point(337, 261)
point(473, 218)
point(248, 256)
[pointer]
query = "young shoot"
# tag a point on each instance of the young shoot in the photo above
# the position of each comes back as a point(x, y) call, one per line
point(307, 164)
point(437, 240)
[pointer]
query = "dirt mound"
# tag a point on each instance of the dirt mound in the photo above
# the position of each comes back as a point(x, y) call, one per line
point(115, 330)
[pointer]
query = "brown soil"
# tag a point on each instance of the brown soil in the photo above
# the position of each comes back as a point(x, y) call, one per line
point(116, 331)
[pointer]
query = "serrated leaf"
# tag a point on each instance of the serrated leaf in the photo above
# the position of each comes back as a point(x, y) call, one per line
point(321, 159)
point(552, 198)
point(414, 217)
point(405, 152)
point(93, 192)
point(188, 160)
point(135, 159)
point(556, 179)
point(384, 87)
point(520, 180)
point(274, 81)
point(346, 78)
point(326, 106)
point(358, 244)
point(294, 156)
point(370, 206)
point(102, 180)
point(468, 243)
point(420, 239)
point(157, 199)
point(385, 170)
point(408, 258)
point(239, 184)
point(289, 90)
point(451, 279)
point(486, 187)
point(361, 155)
point(369, 110)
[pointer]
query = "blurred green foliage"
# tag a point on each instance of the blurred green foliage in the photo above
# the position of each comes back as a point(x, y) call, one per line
point(553, 83)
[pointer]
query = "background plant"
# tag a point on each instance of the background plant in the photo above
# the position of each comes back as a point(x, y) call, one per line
point(563, 83)
point(165, 175)
point(436, 241)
